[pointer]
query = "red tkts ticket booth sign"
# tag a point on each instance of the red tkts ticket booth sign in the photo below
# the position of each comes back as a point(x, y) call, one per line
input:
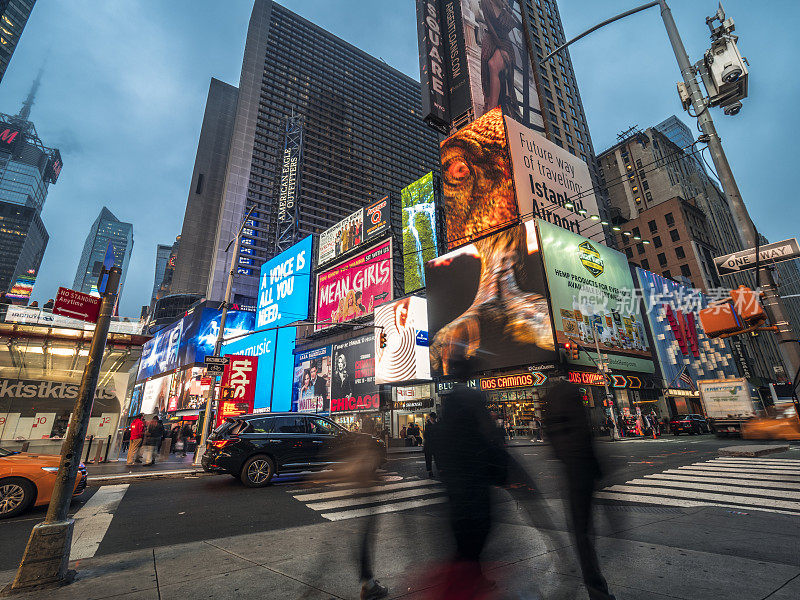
point(238, 387)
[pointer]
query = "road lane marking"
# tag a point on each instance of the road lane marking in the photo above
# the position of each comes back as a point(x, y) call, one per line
point(749, 483)
point(750, 501)
point(93, 519)
point(365, 512)
point(732, 474)
point(734, 469)
point(360, 491)
point(644, 499)
point(413, 493)
point(711, 487)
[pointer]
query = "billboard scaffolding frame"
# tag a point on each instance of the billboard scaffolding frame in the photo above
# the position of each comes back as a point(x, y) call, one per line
point(287, 229)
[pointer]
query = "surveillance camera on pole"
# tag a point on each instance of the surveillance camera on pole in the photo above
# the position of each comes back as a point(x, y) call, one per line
point(723, 69)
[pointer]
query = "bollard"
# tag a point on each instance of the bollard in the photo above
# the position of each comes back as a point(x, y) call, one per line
point(89, 448)
point(25, 446)
point(99, 454)
point(108, 447)
point(164, 452)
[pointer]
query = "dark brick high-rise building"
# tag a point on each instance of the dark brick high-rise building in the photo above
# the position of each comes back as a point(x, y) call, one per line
point(363, 138)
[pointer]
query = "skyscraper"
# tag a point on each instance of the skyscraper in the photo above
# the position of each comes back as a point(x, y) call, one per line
point(162, 258)
point(27, 168)
point(105, 229)
point(13, 17)
point(363, 138)
point(195, 254)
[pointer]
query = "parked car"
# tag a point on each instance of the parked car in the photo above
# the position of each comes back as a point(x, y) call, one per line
point(691, 424)
point(28, 480)
point(254, 448)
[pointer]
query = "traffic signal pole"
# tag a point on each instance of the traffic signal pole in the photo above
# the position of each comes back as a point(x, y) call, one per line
point(46, 559)
point(787, 343)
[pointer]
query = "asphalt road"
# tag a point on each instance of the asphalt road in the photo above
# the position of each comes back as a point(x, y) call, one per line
point(157, 513)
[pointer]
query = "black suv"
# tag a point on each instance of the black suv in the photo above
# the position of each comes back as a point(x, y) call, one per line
point(691, 424)
point(253, 448)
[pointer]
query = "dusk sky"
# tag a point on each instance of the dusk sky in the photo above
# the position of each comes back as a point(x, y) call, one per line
point(125, 85)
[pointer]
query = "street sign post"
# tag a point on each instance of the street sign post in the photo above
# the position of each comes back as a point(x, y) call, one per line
point(746, 259)
point(77, 305)
point(215, 365)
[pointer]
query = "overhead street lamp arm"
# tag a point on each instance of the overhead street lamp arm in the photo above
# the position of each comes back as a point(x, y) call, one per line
point(627, 13)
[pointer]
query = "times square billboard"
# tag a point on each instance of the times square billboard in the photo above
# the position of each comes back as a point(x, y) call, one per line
point(497, 172)
point(189, 340)
point(354, 287)
point(460, 42)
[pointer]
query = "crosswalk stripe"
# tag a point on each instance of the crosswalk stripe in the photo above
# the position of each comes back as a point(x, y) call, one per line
point(732, 474)
point(678, 502)
point(734, 469)
point(364, 512)
point(93, 519)
point(363, 491)
point(747, 459)
point(756, 465)
point(711, 487)
point(752, 501)
point(746, 483)
point(412, 493)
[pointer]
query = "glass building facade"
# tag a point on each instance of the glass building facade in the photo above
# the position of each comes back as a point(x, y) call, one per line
point(27, 168)
point(363, 138)
point(105, 229)
point(13, 17)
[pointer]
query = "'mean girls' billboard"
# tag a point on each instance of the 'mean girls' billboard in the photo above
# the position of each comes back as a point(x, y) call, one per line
point(354, 287)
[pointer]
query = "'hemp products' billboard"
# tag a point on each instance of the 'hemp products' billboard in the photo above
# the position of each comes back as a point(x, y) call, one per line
point(311, 388)
point(354, 287)
point(552, 184)
point(353, 378)
point(591, 289)
point(490, 299)
point(405, 357)
point(420, 240)
point(678, 338)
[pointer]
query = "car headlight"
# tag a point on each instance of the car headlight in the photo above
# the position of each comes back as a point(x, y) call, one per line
point(50, 469)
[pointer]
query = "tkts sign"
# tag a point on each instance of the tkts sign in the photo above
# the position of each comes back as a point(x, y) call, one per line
point(238, 387)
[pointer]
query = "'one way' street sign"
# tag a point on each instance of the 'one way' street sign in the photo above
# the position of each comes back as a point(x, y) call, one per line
point(746, 259)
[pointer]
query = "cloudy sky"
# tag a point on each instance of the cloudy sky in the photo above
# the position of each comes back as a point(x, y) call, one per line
point(126, 80)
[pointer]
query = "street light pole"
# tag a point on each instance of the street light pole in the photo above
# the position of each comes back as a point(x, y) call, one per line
point(220, 336)
point(601, 368)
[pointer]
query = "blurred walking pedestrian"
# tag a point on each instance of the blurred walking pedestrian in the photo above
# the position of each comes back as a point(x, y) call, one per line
point(429, 443)
point(136, 437)
point(473, 459)
point(152, 438)
point(183, 438)
point(570, 434)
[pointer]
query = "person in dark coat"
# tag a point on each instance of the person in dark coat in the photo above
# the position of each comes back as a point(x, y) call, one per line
point(570, 434)
point(429, 443)
point(152, 438)
point(472, 459)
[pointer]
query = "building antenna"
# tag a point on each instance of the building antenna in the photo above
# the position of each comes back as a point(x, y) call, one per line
point(25, 111)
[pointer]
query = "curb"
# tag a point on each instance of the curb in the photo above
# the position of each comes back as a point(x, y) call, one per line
point(122, 477)
point(753, 450)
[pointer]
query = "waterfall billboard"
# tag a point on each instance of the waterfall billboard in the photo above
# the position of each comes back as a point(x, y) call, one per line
point(420, 239)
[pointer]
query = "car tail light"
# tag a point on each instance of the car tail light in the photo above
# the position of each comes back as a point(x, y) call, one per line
point(219, 444)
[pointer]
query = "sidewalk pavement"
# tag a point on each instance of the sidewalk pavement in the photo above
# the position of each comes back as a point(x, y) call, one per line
point(665, 554)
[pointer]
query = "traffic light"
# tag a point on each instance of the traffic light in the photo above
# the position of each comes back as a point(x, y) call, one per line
point(571, 350)
point(739, 313)
point(383, 339)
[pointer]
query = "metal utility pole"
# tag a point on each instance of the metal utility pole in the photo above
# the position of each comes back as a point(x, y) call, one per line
point(773, 306)
point(220, 336)
point(46, 556)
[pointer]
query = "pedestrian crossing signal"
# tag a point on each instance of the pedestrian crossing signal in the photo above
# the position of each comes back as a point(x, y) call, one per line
point(383, 340)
